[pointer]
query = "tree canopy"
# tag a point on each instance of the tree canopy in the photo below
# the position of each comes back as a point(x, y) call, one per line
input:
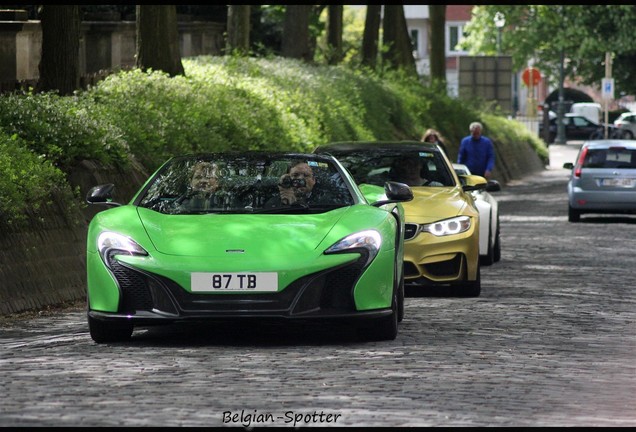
point(537, 33)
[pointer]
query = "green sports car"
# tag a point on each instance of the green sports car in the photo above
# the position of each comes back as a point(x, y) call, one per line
point(247, 235)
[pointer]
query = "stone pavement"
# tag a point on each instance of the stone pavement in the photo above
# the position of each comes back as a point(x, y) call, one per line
point(550, 342)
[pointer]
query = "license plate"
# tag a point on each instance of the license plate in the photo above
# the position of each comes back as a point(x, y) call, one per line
point(234, 282)
point(618, 182)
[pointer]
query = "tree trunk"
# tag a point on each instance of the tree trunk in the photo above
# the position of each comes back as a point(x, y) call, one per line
point(437, 14)
point(158, 39)
point(59, 62)
point(397, 42)
point(334, 34)
point(296, 32)
point(238, 29)
point(371, 36)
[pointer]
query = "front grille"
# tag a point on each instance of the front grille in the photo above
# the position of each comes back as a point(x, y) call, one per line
point(135, 294)
point(451, 268)
point(410, 269)
point(330, 291)
point(410, 230)
point(447, 268)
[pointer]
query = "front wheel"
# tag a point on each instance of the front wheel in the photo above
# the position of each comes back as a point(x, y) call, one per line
point(401, 300)
point(497, 252)
point(470, 288)
point(596, 135)
point(627, 135)
point(489, 258)
point(382, 329)
point(104, 332)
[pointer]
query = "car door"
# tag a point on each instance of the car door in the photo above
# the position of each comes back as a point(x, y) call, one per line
point(580, 128)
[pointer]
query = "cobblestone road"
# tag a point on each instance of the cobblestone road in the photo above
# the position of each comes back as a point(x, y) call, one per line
point(550, 342)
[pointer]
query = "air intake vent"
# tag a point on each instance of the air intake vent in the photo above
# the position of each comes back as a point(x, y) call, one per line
point(410, 230)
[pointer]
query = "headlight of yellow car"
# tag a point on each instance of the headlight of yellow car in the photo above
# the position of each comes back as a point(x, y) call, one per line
point(446, 227)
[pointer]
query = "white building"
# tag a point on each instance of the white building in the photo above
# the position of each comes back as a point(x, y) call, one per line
point(417, 21)
point(457, 16)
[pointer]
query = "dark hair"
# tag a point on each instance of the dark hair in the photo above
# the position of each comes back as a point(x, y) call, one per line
point(431, 132)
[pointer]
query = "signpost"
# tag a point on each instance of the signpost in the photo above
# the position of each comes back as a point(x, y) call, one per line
point(607, 88)
point(531, 77)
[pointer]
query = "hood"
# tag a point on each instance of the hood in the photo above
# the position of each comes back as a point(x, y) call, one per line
point(213, 235)
point(430, 203)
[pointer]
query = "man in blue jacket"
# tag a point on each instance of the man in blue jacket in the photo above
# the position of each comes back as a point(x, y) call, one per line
point(477, 152)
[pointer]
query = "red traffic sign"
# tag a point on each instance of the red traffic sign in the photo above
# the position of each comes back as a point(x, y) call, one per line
point(531, 73)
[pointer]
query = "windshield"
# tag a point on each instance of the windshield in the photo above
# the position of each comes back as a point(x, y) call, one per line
point(415, 168)
point(247, 183)
point(612, 157)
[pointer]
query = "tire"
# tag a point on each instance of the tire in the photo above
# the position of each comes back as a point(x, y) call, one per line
point(551, 138)
point(104, 332)
point(573, 215)
point(617, 134)
point(471, 288)
point(628, 135)
point(599, 134)
point(497, 251)
point(400, 315)
point(382, 329)
point(489, 258)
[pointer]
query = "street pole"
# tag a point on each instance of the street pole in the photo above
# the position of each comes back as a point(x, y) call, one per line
point(608, 74)
point(560, 137)
point(500, 22)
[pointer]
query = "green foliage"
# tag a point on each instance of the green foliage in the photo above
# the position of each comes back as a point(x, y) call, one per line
point(353, 21)
point(248, 103)
point(63, 130)
point(222, 103)
point(539, 33)
point(28, 183)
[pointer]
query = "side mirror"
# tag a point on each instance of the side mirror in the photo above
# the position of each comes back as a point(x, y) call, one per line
point(395, 192)
point(493, 186)
point(474, 182)
point(568, 165)
point(102, 194)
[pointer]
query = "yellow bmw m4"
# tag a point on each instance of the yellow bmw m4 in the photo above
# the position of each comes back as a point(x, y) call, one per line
point(441, 246)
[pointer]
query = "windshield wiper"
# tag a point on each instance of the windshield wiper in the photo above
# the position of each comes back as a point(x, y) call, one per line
point(299, 208)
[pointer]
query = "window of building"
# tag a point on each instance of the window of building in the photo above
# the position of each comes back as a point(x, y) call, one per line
point(415, 34)
point(455, 32)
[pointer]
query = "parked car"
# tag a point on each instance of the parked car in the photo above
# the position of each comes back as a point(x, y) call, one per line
point(578, 127)
point(441, 245)
point(489, 234)
point(626, 123)
point(603, 179)
point(209, 237)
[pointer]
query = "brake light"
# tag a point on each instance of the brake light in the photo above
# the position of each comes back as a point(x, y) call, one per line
point(579, 163)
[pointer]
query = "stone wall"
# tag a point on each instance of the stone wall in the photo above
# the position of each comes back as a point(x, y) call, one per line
point(103, 45)
point(515, 160)
point(45, 264)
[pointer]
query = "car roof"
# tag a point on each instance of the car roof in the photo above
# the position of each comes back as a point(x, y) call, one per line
point(607, 143)
point(351, 146)
point(256, 154)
